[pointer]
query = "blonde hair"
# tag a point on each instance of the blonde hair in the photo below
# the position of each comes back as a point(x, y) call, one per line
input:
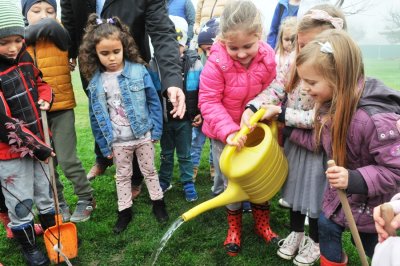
point(289, 23)
point(240, 15)
point(307, 23)
point(343, 69)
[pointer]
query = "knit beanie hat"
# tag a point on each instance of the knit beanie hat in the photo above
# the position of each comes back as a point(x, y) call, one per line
point(181, 28)
point(11, 20)
point(208, 32)
point(27, 4)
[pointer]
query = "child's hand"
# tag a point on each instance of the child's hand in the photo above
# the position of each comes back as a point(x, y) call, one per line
point(239, 143)
point(338, 177)
point(46, 161)
point(197, 121)
point(110, 156)
point(72, 64)
point(272, 111)
point(380, 224)
point(245, 120)
point(43, 105)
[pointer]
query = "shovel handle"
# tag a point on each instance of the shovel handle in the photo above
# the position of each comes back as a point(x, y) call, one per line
point(387, 215)
point(51, 162)
point(350, 220)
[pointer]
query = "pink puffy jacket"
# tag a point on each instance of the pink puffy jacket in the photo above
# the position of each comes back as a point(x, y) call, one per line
point(226, 87)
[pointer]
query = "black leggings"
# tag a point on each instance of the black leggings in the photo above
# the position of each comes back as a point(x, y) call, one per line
point(297, 224)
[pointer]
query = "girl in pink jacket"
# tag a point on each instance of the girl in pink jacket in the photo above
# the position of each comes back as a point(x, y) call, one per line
point(239, 67)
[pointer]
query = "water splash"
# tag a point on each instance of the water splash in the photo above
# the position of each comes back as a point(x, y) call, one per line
point(175, 225)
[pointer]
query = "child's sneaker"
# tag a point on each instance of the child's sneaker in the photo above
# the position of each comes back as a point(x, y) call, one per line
point(308, 252)
point(283, 203)
point(246, 207)
point(190, 192)
point(288, 247)
point(83, 210)
point(64, 210)
point(165, 186)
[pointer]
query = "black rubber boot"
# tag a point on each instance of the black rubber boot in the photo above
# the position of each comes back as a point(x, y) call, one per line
point(26, 238)
point(47, 220)
point(124, 218)
point(160, 211)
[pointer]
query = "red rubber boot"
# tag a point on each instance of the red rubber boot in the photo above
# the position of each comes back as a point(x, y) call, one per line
point(261, 223)
point(5, 220)
point(232, 241)
point(325, 262)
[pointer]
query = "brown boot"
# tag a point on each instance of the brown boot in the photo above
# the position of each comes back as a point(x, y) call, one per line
point(212, 172)
point(261, 223)
point(4, 219)
point(136, 190)
point(195, 171)
point(96, 170)
point(232, 241)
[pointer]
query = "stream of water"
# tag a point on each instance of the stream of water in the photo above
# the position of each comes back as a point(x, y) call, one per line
point(175, 225)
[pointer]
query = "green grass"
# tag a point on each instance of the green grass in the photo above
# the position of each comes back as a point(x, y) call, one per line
point(197, 242)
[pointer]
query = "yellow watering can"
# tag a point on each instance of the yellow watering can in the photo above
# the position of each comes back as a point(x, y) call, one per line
point(255, 173)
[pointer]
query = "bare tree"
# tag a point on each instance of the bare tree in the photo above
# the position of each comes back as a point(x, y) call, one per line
point(392, 29)
point(351, 7)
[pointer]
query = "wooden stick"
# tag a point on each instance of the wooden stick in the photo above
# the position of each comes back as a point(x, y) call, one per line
point(387, 215)
point(350, 219)
point(51, 162)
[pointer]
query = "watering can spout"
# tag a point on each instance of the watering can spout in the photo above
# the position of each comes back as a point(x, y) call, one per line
point(233, 193)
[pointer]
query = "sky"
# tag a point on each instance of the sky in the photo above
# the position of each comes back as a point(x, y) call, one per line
point(371, 20)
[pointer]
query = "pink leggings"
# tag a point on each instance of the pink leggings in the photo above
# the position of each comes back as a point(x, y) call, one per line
point(123, 157)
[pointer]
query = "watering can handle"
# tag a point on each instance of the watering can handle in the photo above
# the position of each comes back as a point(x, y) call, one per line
point(245, 130)
point(253, 120)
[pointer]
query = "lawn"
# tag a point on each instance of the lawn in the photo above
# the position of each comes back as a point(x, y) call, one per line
point(197, 242)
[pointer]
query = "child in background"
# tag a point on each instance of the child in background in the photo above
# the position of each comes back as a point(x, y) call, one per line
point(285, 46)
point(205, 40)
point(387, 250)
point(47, 44)
point(357, 120)
point(23, 94)
point(239, 67)
point(177, 133)
point(125, 112)
point(284, 9)
point(304, 186)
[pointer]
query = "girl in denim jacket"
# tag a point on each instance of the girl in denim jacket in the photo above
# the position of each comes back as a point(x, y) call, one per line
point(125, 111)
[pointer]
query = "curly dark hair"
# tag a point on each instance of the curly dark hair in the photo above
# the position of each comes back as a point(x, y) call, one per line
point(94, 33)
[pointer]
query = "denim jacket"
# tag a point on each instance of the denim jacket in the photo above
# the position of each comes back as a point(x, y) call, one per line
point(140, 100)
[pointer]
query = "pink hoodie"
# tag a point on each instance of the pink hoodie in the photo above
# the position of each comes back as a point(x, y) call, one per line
point(226, 87)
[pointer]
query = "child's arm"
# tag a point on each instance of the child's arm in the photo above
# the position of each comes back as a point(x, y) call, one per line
point(21, 139)
point(211, 92)
point(48, 28)
point(97, 133)
point(44, 90)
point(153, 102)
